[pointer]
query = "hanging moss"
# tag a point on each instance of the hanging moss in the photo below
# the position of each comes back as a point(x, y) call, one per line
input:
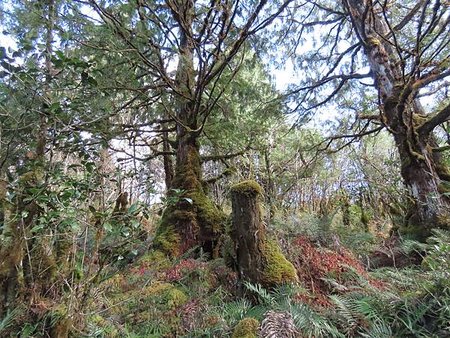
point(277, 269)
point(246, 328)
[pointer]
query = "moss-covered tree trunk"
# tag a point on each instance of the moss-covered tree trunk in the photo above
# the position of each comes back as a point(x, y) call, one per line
point(424, 175)
point(422, 170)
point(258, 258)
point(193, 219)
point(167, 159)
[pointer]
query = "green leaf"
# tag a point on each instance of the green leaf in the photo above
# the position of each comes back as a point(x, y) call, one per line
point(37, 228)
point(108, 227)
point(133, 208)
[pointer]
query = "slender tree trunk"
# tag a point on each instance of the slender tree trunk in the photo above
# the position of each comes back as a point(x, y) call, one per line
point(421, 170)
point(269, 186)
point(167, 159)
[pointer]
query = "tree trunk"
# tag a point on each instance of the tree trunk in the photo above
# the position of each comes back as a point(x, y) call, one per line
point(193, 220)
point(421, 170)
point(258, 259)
point(167, 159)
point(423, 175)
point(269, 186)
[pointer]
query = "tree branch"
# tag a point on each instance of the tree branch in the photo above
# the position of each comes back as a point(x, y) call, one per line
point(434, 121)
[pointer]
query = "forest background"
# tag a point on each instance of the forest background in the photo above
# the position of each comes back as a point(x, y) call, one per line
point(141, 141)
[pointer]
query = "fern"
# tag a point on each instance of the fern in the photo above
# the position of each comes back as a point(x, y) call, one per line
point(311, 324)
point(264, 296)
point(234, 311)
point(378, 329)
point(409, 246)
point(346, 313)
point(9, 319)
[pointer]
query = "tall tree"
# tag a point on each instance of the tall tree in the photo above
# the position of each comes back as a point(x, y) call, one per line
point(405, 47)
point(203, 40)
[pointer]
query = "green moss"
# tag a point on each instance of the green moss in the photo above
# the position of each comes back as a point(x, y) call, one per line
point(155, 260)
point(175, 298)
point(195, 208)
point(210, 218)
point(277, 269)
point(249, 187)
point(246, 328)
point(116, 283)
point(167, 240)
point(372, 40)
point(165, 294)
point(105, 326)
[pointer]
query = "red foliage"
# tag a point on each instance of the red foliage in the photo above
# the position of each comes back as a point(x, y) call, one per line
point(314, 263)
point(189, 314)
point(183, 268)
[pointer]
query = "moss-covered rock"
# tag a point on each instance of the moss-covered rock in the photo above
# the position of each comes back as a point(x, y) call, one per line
point(246, 328)
point(277, 269)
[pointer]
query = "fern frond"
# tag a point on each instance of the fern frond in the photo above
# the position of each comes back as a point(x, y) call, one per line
point(378, 329)
point(278, 324)
point(311, 324)
point(345, 308)
point(264, 296)
point(9, 319)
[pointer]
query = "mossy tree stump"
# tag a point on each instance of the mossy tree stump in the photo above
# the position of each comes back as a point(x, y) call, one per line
point(258, 258)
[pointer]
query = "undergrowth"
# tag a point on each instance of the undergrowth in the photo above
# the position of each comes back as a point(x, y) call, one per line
point(336, 296)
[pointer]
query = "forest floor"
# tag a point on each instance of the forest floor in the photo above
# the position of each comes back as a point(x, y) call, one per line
point(338, 294)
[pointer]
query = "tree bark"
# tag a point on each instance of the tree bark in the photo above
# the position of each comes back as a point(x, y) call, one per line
point(248, 232)
point(421, 169)
point(193, 220)
point(167, 159)
point(258, 258)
